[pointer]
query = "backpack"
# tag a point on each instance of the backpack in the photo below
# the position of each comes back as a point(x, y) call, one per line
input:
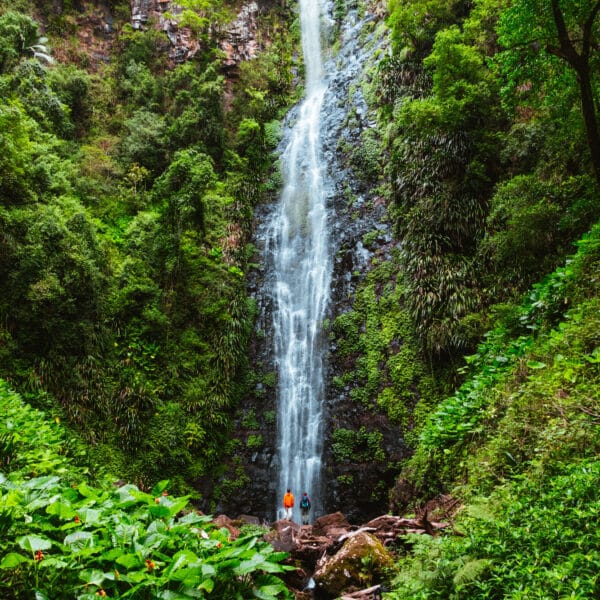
point(305, 502)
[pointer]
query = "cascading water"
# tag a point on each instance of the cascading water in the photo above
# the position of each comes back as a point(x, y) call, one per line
point(298, 244)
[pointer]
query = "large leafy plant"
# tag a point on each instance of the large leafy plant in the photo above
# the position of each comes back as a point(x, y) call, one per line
point(64, 538)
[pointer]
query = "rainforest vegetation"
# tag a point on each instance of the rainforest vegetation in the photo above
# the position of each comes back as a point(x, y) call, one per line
point(128, 182)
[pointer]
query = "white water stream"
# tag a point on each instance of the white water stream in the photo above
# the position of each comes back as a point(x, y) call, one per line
point(298, 240)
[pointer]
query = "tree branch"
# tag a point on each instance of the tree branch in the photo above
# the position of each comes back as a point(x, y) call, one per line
point(567, 50)
point(587, 30)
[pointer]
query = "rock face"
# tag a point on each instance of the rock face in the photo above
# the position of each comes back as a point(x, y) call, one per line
point(360, 562)
point(238, 41)
point(359, 489)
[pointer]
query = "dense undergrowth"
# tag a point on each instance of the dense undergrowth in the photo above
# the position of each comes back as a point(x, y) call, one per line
point(519, 444)
point(127, 185)
point(64, 537)
point(494, 183)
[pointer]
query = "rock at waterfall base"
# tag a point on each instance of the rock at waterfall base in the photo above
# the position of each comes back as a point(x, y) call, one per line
point(362, 559)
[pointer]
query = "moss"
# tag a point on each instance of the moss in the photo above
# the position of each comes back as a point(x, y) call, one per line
point(357, 446)
point(250, 421)
point(254, 442)
point(345, 480)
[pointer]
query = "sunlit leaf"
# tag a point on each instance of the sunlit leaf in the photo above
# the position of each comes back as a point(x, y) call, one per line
point(33, 543)
point(12, 560)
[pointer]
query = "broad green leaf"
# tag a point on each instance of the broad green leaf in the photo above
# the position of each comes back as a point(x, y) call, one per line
point(141, 496)
point(53, 563)
point(112, 554)
point(88, 492)
point(41, 483)
point(182, 559)
point(193, 517)
point(90, 516)
point(535, 364)
point(33, 543)
point(247, 566)
point(159, 511)
point(92, 576)
point(178, 506)
point(160, 487)
point(129, 561)
point(265, 593)
point(137, 576)
point(125, 494)
point(12, 560)
point(61, 509)
point(79, 540)
point(187, 575)
point(208, 570)
point(207, 584)
point(186, 594)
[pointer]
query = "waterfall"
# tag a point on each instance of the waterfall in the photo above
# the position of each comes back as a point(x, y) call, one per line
point(297, 244)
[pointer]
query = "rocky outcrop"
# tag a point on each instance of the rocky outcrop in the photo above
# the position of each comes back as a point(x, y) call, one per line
point(238, 40)
point(146, 13)
point(358, 487)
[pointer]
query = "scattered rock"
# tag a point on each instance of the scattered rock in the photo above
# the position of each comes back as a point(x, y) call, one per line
point(283, 536)
point(336, 558)
point(331, 525)
point(227, 523)
point(238, 41)
point(249, 519)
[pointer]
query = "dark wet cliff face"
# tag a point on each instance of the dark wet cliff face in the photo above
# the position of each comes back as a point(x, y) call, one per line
point(356, 486)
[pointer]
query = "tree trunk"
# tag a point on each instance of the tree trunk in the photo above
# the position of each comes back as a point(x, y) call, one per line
point(589, 116)
point(580, 62)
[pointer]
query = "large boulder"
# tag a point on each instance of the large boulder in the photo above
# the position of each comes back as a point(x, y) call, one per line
point(361, 561)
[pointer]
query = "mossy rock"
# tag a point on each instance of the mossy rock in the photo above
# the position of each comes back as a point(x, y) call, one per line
point(361, 561)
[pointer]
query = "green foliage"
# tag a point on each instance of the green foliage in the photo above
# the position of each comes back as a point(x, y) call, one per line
point(521, 432)
point(73, 86)
point(16, 153)
point(528, 224)
point(440, 168)
point(365, 157)
point(145, 141)
point(145, 47)
point(19, 34)
point(458, 418)
point(532, 538)
point(357, 446)
point(63, 537)
point(254, 442)
point(125, 212)
point(415, 23)
point(57, 278)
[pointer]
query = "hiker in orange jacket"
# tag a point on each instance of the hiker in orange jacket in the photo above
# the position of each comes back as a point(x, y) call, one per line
point(288, 504)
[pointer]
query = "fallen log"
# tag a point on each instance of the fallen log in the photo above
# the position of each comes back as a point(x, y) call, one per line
point(372, 593)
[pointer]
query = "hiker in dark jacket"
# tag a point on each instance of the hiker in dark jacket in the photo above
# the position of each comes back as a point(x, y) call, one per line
point(305, 508)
